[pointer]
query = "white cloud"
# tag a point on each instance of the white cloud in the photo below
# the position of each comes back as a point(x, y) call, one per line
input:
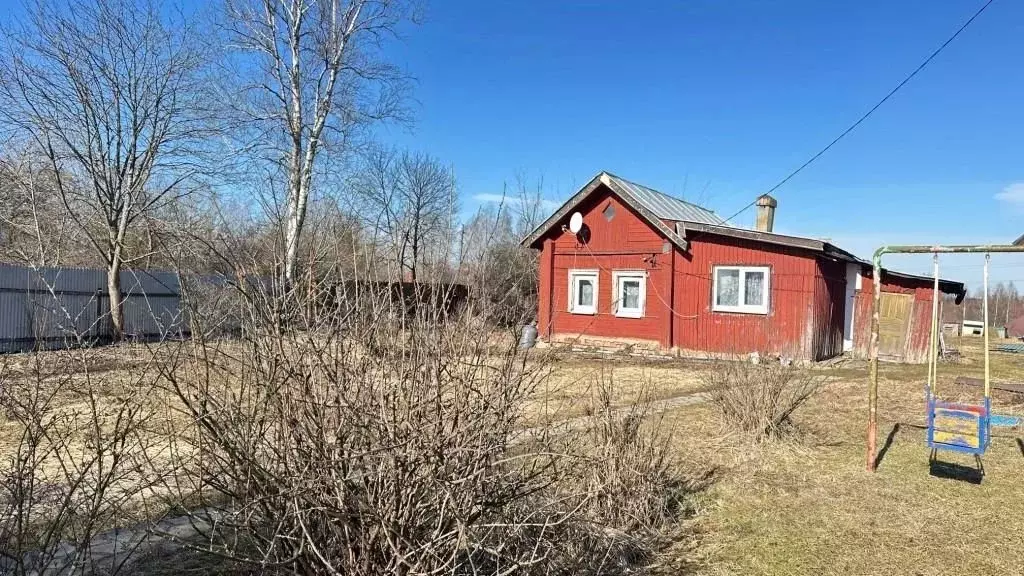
point(1012, 194)
point(507, 200)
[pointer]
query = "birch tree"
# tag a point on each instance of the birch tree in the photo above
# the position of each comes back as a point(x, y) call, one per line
point(110, 92)
point(311, 76)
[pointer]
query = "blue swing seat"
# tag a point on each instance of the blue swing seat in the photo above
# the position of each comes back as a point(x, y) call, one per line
point(958, 426)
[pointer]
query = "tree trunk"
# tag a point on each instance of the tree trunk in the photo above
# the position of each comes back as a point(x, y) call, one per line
point(291, 251)
point(114, 294)
point(295, 217)
point(415, 247)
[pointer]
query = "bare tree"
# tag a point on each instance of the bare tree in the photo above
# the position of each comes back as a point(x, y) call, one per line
point(491, 225)
point(34, 226)
point(528, 204)
point(411, 201)
point(111, 93)
point(429, 201)
point(316, 78)
point(504, 272)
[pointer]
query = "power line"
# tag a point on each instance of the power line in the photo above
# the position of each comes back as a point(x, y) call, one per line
point(872, 110)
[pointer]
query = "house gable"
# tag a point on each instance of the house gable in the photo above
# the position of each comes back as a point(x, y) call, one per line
point(609, 183)
point(626, 230)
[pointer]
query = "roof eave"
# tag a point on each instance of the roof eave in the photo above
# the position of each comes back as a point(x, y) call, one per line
point(756, 236)
point(562, 211)
point(817, 246)
point(945, 286)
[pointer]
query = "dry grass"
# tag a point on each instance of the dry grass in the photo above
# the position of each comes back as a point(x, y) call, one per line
point(573, 378)
point(804, 505)
point(807, 506)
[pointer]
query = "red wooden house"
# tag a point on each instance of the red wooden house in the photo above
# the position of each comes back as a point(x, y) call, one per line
point(651, 270)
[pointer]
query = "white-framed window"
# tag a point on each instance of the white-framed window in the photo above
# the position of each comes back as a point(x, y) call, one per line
point(583, 291)
point(744, 289)
point(629, 294)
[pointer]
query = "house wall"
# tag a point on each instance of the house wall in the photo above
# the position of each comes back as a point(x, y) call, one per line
point(805, 318)
point(624, 243)
point(829, 308)
point(916, 348)
point(853, 281)
point(788, 327)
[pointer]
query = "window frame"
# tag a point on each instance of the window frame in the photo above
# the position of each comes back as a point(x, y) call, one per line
point(579, 274)
point(618, 276)
point(740, 307)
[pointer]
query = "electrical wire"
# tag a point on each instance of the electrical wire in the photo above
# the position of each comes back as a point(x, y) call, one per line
point(871, 111)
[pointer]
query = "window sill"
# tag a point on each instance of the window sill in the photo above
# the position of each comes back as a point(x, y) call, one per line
point(583, 312)
point(740, 311)
point(629, 314)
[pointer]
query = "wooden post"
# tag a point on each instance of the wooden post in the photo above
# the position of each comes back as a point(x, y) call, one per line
point(876, 277)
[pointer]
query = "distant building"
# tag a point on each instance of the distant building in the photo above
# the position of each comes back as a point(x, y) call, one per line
point(973, 328)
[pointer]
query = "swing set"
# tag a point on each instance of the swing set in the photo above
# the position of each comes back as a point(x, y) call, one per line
point(963, 427)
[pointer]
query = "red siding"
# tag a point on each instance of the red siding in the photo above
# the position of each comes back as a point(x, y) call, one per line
point(805, 318)
point(829, 309)
point(625, 243)
point(784, 330)
point(916, 349)
point(863, 303)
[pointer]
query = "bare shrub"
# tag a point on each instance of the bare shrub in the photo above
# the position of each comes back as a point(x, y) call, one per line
point(758, 399)
point(72, 467)
point(396, 443)
point(360, 447)
point(635, 491)
point(216, 303)
point(635, 483)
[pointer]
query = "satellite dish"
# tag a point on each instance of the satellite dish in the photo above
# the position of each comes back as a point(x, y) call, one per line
point(575, 222)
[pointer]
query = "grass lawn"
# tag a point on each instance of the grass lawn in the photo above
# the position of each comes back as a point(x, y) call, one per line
point(807, 505)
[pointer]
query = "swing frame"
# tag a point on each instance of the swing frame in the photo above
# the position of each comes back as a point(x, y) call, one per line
point(987, 249)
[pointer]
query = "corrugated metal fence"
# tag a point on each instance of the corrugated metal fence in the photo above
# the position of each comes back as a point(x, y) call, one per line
point(63, 307)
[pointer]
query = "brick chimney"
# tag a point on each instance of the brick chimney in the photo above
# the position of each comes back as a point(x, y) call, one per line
point(766, 213)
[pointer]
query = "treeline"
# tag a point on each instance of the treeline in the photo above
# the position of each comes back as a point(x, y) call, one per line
point(1005, 304)
point(239, 139)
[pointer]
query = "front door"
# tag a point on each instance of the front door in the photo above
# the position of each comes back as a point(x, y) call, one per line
point(893, 320)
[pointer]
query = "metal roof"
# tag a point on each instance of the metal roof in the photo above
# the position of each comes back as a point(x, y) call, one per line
point(630, 194)
point(655, 207)
point(666, 207)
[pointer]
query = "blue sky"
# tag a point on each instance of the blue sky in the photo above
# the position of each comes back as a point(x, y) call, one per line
point(717, 101)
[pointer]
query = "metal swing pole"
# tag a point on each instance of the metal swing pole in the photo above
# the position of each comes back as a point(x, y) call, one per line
point(988, 386)
point(986, 431)
point(876, 284)
point(875, 322)
point(933, 336)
